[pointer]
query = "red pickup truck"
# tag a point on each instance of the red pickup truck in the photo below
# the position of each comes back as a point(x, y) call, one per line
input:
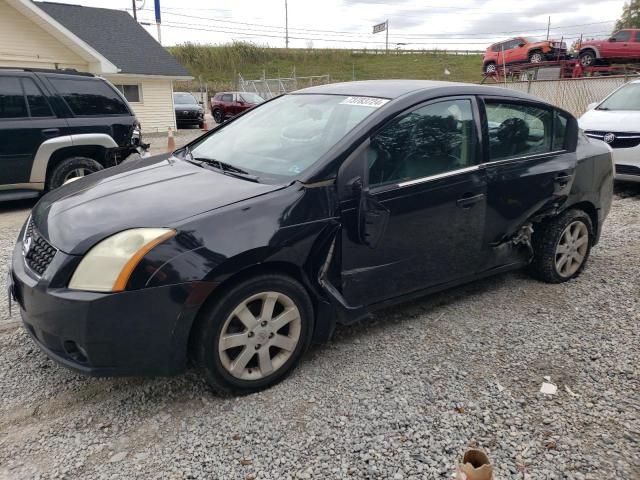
point(622, 46)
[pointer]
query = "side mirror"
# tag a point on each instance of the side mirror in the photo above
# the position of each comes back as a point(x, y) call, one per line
point(200, 102)
point(373, 216)
point(613, 39)
point(521, 44)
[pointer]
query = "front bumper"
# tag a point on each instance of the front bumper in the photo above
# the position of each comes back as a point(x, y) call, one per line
point(627, 163)
point(141, 332)
point(190, 117)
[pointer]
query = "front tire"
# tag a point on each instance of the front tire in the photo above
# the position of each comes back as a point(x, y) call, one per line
point(254, 335)
point(588, 58)
point(561, 246)
point(71, 169)
point(490, 68)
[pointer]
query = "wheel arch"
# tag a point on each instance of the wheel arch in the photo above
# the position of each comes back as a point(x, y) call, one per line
point(589, 47)
point(591, 210)
point(271, 267)
point(56, 149)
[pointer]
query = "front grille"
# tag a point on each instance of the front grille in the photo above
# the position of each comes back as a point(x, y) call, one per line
point(622, 139)
point(38, 252)
point(627, 170)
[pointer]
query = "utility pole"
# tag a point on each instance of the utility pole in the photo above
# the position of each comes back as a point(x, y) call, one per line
point(135, 12)
point(286, 23)
point(548, 27)
point(158, 20)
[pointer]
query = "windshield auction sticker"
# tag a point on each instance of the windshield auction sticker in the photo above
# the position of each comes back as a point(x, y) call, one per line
point(365, 101)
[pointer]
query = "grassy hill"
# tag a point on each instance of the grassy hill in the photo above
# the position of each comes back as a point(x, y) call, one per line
point(220, 65)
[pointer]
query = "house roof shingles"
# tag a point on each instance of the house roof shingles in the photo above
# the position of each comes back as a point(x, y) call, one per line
point(118, 37)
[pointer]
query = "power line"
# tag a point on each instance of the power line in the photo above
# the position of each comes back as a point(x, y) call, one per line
point(406, 35)
point(397, 39)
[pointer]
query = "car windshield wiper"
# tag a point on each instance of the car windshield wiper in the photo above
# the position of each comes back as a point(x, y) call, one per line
point(603, 108)
point(226, 168)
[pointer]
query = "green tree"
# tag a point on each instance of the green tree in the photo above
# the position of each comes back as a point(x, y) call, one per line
point(630, 17)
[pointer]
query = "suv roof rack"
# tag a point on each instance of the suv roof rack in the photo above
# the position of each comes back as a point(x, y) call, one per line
point(64, 71)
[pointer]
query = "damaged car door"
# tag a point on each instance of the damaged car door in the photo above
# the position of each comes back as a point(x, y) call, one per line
point(413, 203)
point(529, 169)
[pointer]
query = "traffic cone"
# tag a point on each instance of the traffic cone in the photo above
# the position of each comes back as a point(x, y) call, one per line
point(475, 466)
point(205, 125)
point(171, 142)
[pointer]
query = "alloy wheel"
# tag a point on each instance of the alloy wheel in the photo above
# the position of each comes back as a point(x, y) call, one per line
point(76, 174)
point(536, 58)
point(259, 336)
point(586, 60)
point(491, 68)
point(572, 249)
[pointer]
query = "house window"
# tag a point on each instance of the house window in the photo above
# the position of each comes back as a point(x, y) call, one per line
point(130, 92)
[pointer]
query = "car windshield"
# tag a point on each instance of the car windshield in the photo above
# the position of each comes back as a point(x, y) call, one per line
point(282, 138)
point(251, 97)
point(627, 98)
point(184, 99)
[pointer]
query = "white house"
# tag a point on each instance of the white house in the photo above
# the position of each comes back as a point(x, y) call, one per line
point(105, 42)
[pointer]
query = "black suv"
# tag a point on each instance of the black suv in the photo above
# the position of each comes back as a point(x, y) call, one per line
point(58, 125)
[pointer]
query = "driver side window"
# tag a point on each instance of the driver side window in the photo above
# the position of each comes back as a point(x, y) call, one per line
point(431, 140)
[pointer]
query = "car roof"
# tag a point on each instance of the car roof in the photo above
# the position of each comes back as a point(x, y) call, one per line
point(393, 89)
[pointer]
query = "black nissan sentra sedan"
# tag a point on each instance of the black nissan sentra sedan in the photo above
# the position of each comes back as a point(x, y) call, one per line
point(313, 209)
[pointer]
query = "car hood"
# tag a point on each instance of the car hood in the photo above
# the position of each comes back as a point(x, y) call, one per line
point(187, 107)
point(150, 192)
point(610, 120)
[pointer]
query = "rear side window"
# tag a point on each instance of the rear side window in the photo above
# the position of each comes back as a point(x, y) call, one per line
point(227, 98)
point(12, 101)
point(518, 130)
point(89, 97)
point(38, 105)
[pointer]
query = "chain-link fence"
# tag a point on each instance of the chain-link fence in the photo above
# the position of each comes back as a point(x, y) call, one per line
point(272, 87)
point(573, 95)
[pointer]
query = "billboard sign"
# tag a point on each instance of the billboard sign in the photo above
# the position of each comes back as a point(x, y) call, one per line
point(381, 27)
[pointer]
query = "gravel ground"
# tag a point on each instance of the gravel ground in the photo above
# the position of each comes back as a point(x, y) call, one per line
point(397, 397)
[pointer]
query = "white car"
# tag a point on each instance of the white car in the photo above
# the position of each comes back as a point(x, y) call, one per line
point(616, 121)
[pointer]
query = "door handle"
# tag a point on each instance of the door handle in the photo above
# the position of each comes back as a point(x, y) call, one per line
point(469, 200)
point(51, 132)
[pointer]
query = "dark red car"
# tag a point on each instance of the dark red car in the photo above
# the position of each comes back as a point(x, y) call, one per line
point(229, 104)
point(622, 46)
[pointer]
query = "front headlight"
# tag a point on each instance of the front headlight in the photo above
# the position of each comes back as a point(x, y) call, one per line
point(109, 264)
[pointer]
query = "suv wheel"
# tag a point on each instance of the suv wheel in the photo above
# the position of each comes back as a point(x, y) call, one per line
point(587, 58)
point(72, 169)
point(561, 246)
point(218, 115)
point(490, 67)
point(536, 57)
point(254, 335)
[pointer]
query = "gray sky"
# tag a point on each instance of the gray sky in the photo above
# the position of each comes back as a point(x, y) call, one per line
point(453, 24)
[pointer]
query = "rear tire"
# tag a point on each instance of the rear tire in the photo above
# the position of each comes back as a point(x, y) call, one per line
point(72, 169)
point(561, 247)
point(253, 335)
